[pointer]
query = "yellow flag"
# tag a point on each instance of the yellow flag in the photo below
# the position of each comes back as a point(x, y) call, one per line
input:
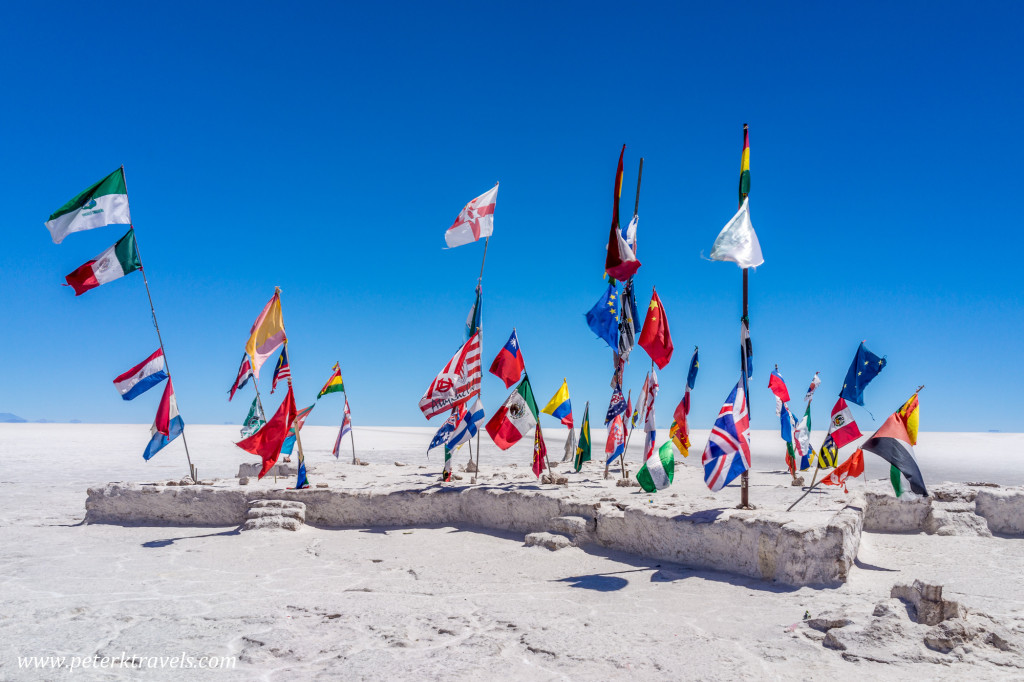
point(267, 334)
point(559, 405)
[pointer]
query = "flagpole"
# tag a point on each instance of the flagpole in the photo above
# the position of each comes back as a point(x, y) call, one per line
point(156, 325)
point(745, 478)
point(298, 438)
point(351, 428)
point(480, 331)
point(256, 385)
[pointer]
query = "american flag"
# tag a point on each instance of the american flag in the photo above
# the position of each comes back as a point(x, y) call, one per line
point(283, 370)
point(727, 454)
point(457, 383)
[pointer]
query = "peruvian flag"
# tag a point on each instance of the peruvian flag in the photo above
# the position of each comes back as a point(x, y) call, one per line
point(843, 428)
point(266, 443)
point(620, 262)
point(476, 220)
point(515, 418)
point(508, 365)
point(851, 468)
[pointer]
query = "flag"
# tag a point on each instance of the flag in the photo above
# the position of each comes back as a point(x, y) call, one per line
point(334, 383)
point(851, 468)
point(800, 444)
point(282, 370)
point(649, 428)
point(446, 471)
point(603, 318)
point(167, 425)
point(559, 406)
point(737, 242)
point(631, 232)
point(570, 446)
point(746, 348)
point(267, 334)
point(620, 262)
point(655, 337)
point(583, 448)
point(515, 418)
point(745, 166)
point(457, 383)
point(467, 426)
point(843, 428)
point(300, 419)
point(346, 427)
point(616, 443)
point(114, 263)
point(105, 203)
point(254, 420)
point(443, 434)
point(829, 454)
point(244, 374)
point(894, 443)
point(691, 375)
point(778, 386)
point(641, 401)
point(865, 367)
point(142, 376)
point(473, 319)
point(540, 452)
point(658, 470)
point(815, 382)
point(628, 323)
point(302, 482)
point(476, 220)
point(679, 436)
point(629, 411)
point(727, 454)
point(266, 443)
point(786, 432)
point(616, 406)
point(508, 364)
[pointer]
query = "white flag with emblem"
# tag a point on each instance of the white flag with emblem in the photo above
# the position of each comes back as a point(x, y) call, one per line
point(475, 221)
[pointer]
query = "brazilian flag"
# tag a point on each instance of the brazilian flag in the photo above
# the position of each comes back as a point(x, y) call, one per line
point(583, 447)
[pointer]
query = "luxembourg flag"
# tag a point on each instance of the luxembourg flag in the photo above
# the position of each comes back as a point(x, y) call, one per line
point(508, 365)
point(142, 376)
point(168, 424)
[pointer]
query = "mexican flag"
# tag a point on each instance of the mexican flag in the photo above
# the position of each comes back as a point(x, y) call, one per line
point(105, 203)
point(114, 263)
point(515, 418)
point(657, 472)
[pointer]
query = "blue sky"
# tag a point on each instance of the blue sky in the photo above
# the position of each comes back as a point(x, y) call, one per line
point(326, 148)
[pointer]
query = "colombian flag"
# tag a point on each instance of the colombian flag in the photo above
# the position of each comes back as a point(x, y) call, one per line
point(334, 384)
point(559, 405)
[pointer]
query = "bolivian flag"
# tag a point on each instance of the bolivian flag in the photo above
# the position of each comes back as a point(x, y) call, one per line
point(334, 384)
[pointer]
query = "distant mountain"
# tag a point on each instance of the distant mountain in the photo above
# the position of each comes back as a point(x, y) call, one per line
point(8, 418)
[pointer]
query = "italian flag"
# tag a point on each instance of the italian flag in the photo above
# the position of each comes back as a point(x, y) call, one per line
point(657, 472)
point(515, 418)
point(114, 263)
point(105, 203)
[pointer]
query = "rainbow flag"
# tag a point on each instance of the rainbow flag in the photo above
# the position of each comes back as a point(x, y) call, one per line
point(745, 165)
point(334, 384)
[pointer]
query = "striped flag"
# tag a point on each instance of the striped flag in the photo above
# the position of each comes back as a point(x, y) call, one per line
point(649, 430)
point(142, 376)
point(334, 383)
point(727, 454)
point(244, 374)
point(283, 370)
point(658, 471)
point(105, 203)
point(346, 427)
point(457, 383)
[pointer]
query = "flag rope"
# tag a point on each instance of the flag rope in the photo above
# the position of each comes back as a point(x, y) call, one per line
point(156, 325)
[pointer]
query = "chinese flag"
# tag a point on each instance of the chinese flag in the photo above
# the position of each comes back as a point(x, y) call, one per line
point(655, 338)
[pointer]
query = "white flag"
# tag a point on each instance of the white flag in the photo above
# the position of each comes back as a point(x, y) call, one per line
point(475, 221)
point(737, 241)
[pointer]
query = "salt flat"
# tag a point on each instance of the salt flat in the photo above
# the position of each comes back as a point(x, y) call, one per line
point(443, 602)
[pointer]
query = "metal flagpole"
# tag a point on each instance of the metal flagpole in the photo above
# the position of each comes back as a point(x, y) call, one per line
point(745, 322)
point(480, 331)
point(348, 413)
point(298, 438)
point(156, 325)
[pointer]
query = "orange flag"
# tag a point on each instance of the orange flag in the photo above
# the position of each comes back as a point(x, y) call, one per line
point(655, 337)
point(266, 443)
point(852, 467)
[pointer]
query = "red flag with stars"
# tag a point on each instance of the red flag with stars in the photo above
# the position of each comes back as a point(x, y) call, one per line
point(655, 338)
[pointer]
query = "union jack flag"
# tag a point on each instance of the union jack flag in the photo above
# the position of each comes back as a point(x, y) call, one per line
point(283, 370)
point(727, 454)
point(457, 383)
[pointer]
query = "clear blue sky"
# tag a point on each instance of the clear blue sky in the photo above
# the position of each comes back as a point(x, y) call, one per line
point(326, 148)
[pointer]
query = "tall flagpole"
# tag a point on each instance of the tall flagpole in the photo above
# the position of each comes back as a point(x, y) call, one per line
point(480, 331)
point(152, 310)
point(348, 413)
point(745, 322)
point(298, 438)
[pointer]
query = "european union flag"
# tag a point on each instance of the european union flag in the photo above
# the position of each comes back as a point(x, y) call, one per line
point(866, 366)
point(603, 318)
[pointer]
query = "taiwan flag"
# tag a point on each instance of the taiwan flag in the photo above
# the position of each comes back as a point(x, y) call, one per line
point(508, 365)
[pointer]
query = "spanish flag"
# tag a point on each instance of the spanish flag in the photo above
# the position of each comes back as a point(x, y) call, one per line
point(334, 383)
point(745, 166)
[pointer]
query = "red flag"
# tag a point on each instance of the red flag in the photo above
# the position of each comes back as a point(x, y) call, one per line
point(851, 468)
point(777, 386)
point(266, 443)
point(540, 452)
point(508, 364)
point(457, 383)
point(620, 263)
point(843, 427)
point(655, 338)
